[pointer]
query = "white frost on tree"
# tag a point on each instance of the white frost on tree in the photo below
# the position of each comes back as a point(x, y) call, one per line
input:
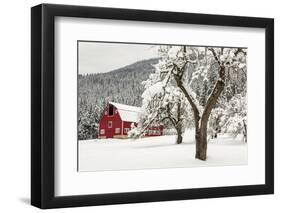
point(163, 104)
point(234, 119)
point(187, 69)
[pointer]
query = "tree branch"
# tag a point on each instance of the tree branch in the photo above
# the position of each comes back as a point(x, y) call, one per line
point(215, 55)
point(190, 100)
point(212, 100)
point(239, 50)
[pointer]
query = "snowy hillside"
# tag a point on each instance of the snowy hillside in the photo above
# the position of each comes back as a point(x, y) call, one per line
point(157, 152)
point(122, 85)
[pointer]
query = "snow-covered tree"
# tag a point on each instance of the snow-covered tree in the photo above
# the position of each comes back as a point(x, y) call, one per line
point(214, 124)
point(163, 104)
point(234, 119)
point(184, 65)
point(88, 118)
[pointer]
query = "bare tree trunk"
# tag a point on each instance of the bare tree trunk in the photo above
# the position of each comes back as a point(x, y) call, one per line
point(201, 132)
point(201, 139)
point(245, 131)
point(179, 136)
point(201, 123)
point(200, 126)
point(179, 124)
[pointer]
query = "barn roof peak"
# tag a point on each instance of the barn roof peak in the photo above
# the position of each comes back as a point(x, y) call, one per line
point(126, 107)
point(127, 112)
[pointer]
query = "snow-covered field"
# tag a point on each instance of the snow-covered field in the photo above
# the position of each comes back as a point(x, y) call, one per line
point(157, 152)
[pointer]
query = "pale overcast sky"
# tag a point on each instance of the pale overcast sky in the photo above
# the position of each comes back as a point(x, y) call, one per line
point(98, 57)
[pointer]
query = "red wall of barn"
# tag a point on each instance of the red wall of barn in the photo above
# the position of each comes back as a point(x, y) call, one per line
point(126, 124)
point(159, 132)
point(151, 131)
point(116, 123)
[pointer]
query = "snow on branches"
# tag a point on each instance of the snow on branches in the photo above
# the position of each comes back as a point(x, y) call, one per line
point(189, 81)
point(234, 118)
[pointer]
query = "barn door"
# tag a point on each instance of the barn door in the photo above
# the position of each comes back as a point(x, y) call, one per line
point(109, 133)
point(109, 129)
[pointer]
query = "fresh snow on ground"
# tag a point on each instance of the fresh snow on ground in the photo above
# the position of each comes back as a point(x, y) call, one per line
point(157, 152)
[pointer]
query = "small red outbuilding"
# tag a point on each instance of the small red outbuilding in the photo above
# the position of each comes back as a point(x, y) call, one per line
point(117, 120)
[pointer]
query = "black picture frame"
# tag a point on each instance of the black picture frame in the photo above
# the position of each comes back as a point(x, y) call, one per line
point(43, 102)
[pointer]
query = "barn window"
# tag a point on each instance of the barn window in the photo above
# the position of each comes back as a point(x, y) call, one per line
point(109, 124)
point(110, 109)
point(117, 130)
point(126, 130)
point(102, 131)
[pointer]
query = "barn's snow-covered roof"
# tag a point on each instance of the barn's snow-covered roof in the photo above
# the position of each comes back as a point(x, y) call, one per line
point(126, 112)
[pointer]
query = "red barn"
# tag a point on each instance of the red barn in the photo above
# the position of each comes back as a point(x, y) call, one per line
point(117, 119)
